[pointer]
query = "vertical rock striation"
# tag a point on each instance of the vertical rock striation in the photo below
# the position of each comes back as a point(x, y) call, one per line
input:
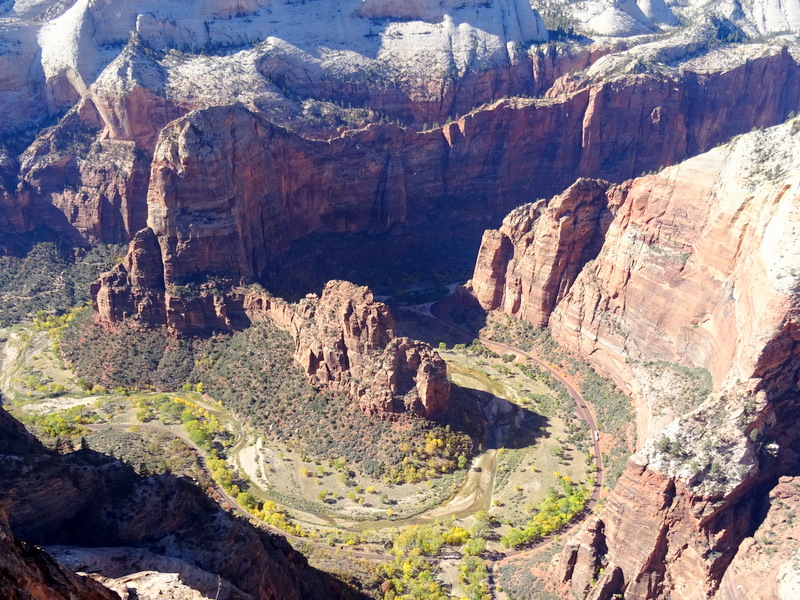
point(526, 267)
point(130, 138)
point(346, 341)
point(697, 265)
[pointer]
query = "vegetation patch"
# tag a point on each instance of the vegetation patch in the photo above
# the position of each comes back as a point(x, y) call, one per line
point(149, 452)
point(50, 277)
point(613, 409)
point(125, 357)
point(555, 511)
point(410, 576)
point(253, 374)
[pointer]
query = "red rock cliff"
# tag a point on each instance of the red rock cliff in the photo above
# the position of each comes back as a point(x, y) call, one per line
point(265, 187)
point(526, 267)
point(698, 265)
point(695, 267)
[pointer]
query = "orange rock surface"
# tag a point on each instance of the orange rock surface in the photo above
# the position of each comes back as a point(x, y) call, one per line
point(698, 265)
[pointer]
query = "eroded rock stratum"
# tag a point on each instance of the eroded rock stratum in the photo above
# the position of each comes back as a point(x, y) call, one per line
point(215, 137)
point(696, 265)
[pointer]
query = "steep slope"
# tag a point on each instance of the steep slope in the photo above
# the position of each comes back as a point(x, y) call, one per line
point(346, 340)
point(628, 18)
point(123, 70)
point(705, 245)
point(47, 499)
point(764, 562)
point(698, 265)
point(300, 43)
point(230, 192)
point(28, 573)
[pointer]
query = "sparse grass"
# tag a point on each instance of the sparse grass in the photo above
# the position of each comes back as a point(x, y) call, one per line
point(613, 409)
point(688, 387)
point(523, 579)
point(149, 452)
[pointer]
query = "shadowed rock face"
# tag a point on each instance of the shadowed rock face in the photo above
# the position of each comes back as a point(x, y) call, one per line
point(697, 265)
point(88, 499)
point(27, 572)
point(230, 192)
point(764, 558)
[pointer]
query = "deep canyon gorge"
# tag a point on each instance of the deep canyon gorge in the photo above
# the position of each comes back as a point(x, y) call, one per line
point(623, 175)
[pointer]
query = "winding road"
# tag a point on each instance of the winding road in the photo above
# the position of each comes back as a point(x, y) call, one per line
point(428, 310)
point(581, 409)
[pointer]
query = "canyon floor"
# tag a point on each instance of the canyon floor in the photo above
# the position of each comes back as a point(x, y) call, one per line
point(198, 199)
point(523, 446)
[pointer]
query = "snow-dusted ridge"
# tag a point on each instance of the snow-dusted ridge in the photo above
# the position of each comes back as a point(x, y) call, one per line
point(87, 36)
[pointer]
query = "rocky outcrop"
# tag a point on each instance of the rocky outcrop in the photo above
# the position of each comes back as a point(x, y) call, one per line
point(47, 501)
point(526, 267)
point(697, 265)
point(768, 17)
point(688, 499)
point(95, 190)
point(135, 287)
point(718, 273)
point(669, 557)
point(419, 63)
point(346, 340)
point(695, 500)
point(230, 192)
point(86, 190)
point(137, 574)
point(516, 18)
point(29, 573)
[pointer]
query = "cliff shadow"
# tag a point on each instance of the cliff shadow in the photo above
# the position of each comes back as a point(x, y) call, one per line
point(395, 263)
point(88, 499)
point(492, 421)
point(448, 319)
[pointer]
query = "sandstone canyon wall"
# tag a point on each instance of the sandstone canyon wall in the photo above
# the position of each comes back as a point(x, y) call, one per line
point(344, 339)
point(705, 246)
point(318, 99)
point(697, 265)
point(279, 186)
